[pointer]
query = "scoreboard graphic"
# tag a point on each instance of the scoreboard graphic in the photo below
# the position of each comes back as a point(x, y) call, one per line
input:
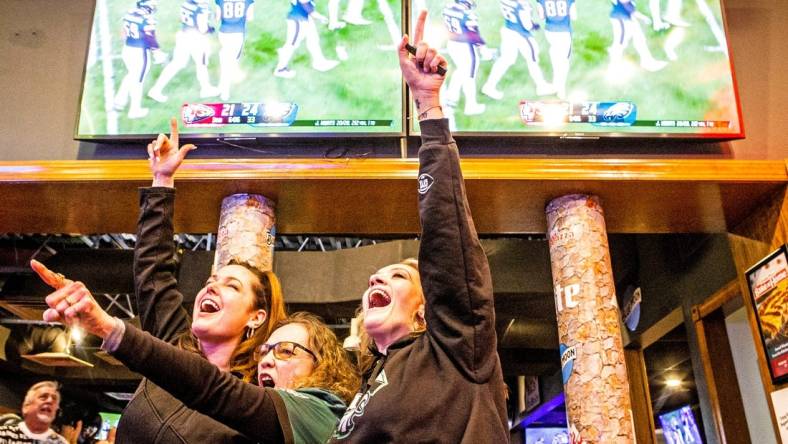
point(601, 114)
point(258, 114)
point(251, 113)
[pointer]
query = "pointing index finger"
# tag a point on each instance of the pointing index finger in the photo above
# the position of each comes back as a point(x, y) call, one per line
point(418, 32)
point(54, 280)
point(174, 131)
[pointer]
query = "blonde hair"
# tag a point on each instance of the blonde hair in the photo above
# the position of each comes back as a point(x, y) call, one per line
point(365, 357)
point(333, 371)
point(31, 392)
point(268, 296)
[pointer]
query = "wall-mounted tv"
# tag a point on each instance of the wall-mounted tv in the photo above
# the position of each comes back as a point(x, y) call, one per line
point(546, 435)
point(679, 427)
point(108, 421)
point(242, 67)
point(586, 69)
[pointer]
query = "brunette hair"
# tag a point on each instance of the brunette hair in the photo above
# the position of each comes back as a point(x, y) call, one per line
point(268, 296)
point(365, 358)
point(333, 370)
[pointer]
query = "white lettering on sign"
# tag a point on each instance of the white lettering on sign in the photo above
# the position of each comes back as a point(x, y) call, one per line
point(565, 297)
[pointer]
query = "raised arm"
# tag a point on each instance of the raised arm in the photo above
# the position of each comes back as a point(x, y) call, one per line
point(252, 410)
point(256, 412)
point(454, 272)
point(159, 303)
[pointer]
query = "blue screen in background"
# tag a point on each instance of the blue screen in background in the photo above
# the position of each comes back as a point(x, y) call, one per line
point(551, 435)
point(679, 427)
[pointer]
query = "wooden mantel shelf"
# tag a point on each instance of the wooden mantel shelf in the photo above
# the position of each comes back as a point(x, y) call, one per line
point(377, 196)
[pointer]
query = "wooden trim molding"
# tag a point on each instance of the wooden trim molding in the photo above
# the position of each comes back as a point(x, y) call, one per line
point(646, 170)
point(642, 413)
point(377, 196)
point(727, 293)
point(708, 370)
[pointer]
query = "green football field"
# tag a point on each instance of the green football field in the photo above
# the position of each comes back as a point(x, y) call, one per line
point(697, 86)
point(367, 85)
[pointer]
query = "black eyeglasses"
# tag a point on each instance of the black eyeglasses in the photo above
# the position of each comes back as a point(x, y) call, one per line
point(282, 350)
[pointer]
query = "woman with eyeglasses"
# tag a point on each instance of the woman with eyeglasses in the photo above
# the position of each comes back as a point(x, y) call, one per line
point(233, 313)
point(305, 378)
point(433, 374)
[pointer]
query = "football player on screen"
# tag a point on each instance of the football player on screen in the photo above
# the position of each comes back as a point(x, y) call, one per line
point(394, 28)
point(139, 33)
point(233, 15)
point(672, 15)
point(334, 22)
point(558, 16)
point(671, 22)
point(301, 26)
point(353, 15)
point(516, 36)
point(465, 47)
point(191, 41)
point(624, 19)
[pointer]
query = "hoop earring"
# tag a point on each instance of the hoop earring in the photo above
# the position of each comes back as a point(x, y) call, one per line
point(250, 332)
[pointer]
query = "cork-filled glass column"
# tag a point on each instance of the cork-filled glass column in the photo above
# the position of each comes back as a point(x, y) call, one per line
point(246, 231)
point(596, 388)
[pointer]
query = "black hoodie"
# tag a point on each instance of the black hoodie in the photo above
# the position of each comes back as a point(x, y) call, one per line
point(446, 385)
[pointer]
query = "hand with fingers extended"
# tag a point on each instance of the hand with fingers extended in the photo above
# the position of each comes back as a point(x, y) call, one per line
point(71, 433)
point(165, 156)
point(72, 303)
point(421, 71)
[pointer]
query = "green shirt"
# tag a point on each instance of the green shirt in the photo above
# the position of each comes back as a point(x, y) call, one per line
point(312, 413)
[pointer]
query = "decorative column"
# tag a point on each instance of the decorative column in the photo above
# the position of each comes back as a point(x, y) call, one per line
point(592, 354)
point(246, 231)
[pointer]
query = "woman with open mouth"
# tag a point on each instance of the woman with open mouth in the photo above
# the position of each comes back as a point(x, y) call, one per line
point(433, 372)
point(305, 378)
point(233, 313)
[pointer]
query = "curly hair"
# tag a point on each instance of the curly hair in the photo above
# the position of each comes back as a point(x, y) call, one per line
point(365, 358)
point(268, 296)
point(334, 371)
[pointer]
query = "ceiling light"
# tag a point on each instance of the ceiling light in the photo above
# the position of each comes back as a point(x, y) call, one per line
point(673, 382)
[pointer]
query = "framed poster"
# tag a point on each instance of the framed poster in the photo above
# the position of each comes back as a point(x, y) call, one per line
point(768, 283)
point(532, 399)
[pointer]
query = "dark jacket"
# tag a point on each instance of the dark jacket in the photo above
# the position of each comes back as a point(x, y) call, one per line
point(446, 385)
point(306, 416)
point(153, 415)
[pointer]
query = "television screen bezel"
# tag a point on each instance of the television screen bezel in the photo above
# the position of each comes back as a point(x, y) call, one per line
point(403, 132)
point(412, 130)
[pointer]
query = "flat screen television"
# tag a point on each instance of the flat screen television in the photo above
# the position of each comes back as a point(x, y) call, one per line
point(679, 427)
point(242, 67)
point(658, 68)
point(108, 421)
point(546, 435)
